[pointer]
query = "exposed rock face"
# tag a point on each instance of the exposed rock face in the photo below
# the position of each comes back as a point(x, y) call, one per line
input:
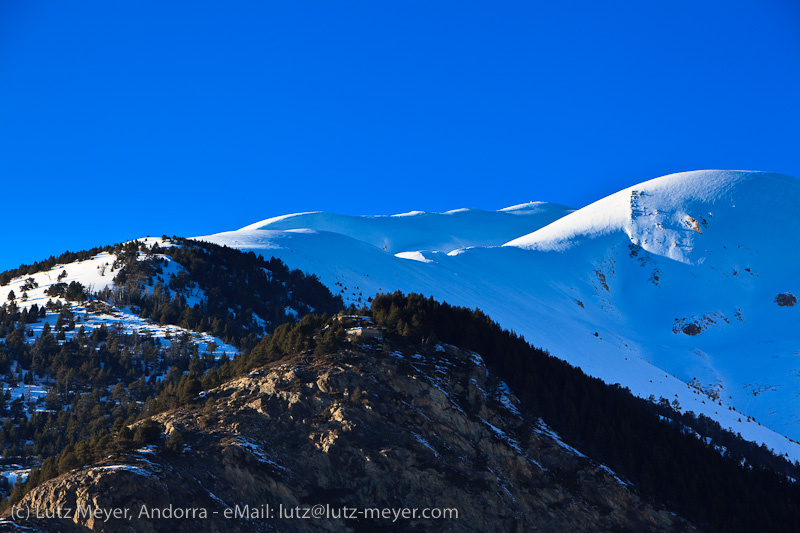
point(361, 429)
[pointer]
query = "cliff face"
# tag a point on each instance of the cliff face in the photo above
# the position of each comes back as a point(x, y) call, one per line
point(426, 428)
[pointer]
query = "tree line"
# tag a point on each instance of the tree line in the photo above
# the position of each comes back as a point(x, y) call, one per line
point(243, 295)
point(666, 462)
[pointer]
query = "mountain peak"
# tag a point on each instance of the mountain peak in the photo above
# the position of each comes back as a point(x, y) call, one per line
point(681, 216)
point(672, 287)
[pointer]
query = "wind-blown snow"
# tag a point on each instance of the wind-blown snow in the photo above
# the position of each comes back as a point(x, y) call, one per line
point(667, 216)
point(419, 231)
point(414, 256)
point(274, 220)
point(668, 287)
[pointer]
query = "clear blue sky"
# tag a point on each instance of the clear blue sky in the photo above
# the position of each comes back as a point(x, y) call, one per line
point(120, 119)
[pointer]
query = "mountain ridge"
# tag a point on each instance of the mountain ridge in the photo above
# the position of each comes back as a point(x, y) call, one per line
point(702, 192)
point(579, 299)
point(631, 305)
point(421, 231)
point(359, 424)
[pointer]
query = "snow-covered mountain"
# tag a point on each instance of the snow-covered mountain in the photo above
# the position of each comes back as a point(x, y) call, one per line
point(682, 287)
point(415, 231)
point(96, 274)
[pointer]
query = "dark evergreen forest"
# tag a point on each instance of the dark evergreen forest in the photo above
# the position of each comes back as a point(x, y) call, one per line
point(245, 296)
point(664, 458)
point(102, 380)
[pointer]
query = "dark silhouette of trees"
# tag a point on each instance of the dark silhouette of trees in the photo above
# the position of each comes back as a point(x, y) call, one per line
point(664, 458)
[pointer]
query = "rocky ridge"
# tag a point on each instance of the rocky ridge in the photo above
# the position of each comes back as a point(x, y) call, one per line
point(372, 425)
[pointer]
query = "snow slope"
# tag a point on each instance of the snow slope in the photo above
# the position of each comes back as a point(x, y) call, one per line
point(668, 287)
point(418, 231)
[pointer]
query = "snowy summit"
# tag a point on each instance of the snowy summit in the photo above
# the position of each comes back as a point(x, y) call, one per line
point(681, 287)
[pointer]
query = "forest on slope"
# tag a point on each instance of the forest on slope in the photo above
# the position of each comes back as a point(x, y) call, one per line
point(105, 381)
point(738, 487)
point(68, 393)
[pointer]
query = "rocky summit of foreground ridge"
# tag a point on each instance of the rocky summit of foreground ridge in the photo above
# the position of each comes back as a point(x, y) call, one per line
point(363, 424)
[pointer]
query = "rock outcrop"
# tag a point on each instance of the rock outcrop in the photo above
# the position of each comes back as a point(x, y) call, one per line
point(347, 435)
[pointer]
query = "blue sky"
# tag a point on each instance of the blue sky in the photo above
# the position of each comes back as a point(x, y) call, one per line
point(124, 119)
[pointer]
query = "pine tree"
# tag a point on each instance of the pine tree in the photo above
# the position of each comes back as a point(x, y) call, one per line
point(176, 442)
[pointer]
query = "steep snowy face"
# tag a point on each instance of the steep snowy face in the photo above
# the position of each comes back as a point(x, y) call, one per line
point(688, 217)
point(693, 273)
